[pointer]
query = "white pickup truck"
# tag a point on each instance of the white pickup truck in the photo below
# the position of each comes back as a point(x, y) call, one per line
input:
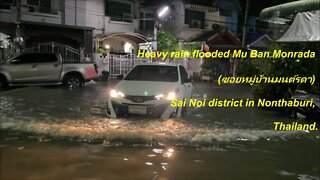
point(45, 69)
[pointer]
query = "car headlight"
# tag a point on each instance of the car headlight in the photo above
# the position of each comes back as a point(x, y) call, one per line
point(169, 96)
point(116, 94)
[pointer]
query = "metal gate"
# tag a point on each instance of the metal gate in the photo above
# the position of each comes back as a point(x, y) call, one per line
point(122, 64)
point(68, 54)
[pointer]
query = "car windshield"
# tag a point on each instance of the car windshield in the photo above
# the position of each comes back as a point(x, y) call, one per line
point(153, 73)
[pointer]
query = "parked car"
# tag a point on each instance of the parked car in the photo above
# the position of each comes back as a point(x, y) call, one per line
point(148, 89)
point(45, 69)
point(307, 112)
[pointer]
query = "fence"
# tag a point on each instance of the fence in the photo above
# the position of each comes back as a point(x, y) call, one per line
point(68, 54)
point(119, 64)
point(6, 54)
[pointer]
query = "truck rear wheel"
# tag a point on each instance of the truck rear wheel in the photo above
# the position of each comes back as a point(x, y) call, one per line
point(73, 81)
point(3, 83)
point(184, 110)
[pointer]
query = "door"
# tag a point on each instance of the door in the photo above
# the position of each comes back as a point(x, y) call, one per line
point(23, 69)
point(186, 82)
point(49, 68)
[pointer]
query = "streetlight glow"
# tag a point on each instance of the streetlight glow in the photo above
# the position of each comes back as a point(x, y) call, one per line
point(163, 11)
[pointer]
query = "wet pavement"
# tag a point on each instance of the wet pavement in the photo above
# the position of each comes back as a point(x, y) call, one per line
point(58, 133)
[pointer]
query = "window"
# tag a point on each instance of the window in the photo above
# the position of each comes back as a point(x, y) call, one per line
point(119, 11)
point(43, 6)
point(23, 59)
point(147, 21)
point(184, 75)
point(5, 4)
point(195, 19)
point(35, 58)
point(45, 58)
point(153, 73)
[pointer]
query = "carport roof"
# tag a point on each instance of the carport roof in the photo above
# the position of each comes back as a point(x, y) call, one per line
point(218, 37)
point(135, 37)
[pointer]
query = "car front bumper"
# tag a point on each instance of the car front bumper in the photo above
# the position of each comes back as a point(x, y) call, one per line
point(119, 107)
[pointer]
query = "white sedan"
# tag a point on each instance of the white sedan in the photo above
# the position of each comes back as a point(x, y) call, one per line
point(148, 89)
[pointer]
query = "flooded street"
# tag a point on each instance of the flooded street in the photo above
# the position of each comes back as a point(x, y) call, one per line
point(57, 133)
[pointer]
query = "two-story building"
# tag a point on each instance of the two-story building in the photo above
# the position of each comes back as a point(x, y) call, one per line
point(115, 26)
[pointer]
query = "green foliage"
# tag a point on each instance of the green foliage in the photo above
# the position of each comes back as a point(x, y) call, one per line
point(191, 47)
point(206, 71)
point(248, 68)
point(167, 42)
point(287, 67)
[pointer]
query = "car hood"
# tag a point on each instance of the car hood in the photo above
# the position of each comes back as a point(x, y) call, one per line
point(145, 88)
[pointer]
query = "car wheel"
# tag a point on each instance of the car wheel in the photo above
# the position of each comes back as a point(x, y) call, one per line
point(73, 81)
point(184, 110)
point(3, 83)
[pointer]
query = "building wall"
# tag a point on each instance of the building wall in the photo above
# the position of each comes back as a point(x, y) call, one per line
point(176, 24)
point(33, 15)
point(95, 16)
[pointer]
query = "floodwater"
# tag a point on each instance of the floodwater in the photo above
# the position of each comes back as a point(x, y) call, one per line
point(57, 133)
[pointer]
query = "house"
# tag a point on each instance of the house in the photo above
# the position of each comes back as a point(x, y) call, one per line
point(219, 38)
point(58, 26)
point(190, 18)
point(258, 41)
point(117, 27)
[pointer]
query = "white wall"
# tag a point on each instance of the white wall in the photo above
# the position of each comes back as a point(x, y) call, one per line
point(95, 16)
point(91, 13)
point(69, 12)
point(116, 26)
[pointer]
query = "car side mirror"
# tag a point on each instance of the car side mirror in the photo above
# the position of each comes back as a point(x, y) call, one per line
point(120, 77)
point(189, 80)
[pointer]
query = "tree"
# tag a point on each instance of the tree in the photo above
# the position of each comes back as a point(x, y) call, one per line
point(167, 42)
point(288, 67)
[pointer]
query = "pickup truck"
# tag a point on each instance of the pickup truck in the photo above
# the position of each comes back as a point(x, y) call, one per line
point(45, 69)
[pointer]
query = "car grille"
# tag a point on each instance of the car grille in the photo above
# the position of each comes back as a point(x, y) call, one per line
point(140, 99)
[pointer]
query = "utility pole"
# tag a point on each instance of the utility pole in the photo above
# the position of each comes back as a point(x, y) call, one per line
point(244, 37)
point(245, 23)
point(18, 39)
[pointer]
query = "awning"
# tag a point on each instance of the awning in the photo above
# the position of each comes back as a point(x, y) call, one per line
point(305, 28)
point(278, 14)
point(135, 37)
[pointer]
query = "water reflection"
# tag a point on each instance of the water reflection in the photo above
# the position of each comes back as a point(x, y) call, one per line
point(210, 142)
point(168, 153)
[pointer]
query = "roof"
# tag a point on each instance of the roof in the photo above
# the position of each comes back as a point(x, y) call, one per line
point(205, 36)
point(258, 41)
point(288, 10)
point(218, 38)
point(254, 36)
point(138, 38)
point(305, 28)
